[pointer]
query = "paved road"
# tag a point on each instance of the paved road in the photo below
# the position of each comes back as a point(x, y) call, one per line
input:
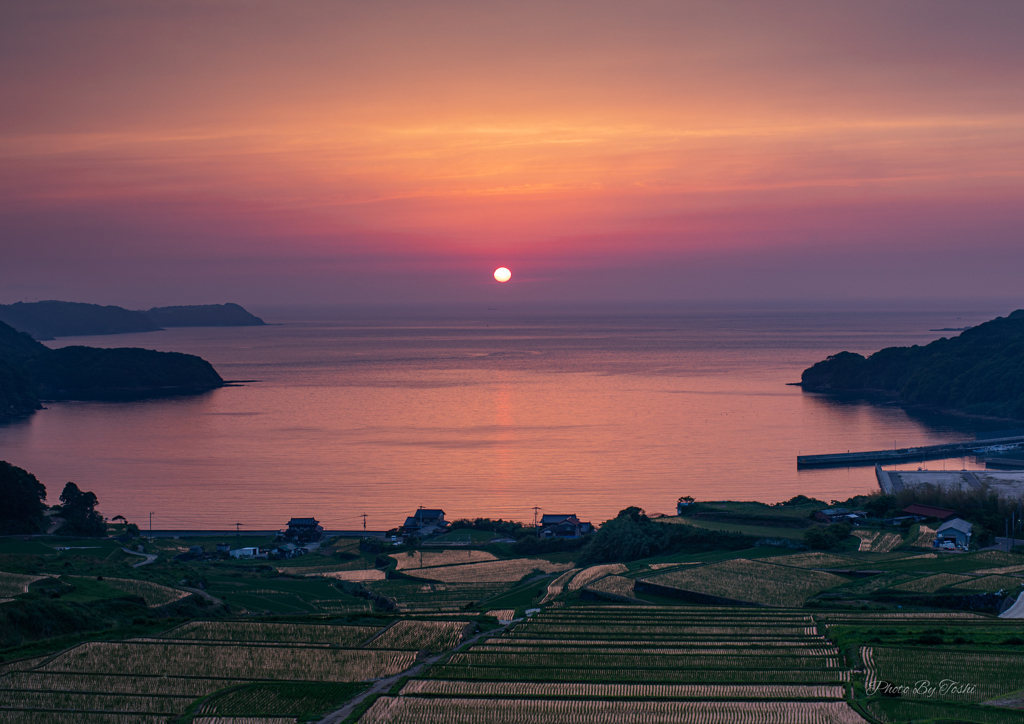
point(1016, 610)
point(381, 685)
point(150, 557)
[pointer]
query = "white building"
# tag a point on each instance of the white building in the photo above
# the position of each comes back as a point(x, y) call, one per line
point(247, 553)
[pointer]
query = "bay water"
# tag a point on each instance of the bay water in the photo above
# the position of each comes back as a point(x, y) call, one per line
point(482, 413)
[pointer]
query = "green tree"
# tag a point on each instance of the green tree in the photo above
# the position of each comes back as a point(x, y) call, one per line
point(632, 535)
point(23, 499)
point(831, 537)
point(79, 511)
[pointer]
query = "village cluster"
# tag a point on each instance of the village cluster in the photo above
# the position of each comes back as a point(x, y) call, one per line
point(303, 535)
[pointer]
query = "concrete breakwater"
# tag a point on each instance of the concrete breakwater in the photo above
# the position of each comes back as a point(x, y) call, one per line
point(908, 454)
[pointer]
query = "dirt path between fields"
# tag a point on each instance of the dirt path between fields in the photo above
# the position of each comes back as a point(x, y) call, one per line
point(382, 685)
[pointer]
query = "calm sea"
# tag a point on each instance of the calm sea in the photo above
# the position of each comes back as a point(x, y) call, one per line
point(481, 413)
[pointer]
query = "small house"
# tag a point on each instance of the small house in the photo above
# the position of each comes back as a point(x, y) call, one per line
point(286, 550)
point(563, 526)
point(426, 521)
point(304, 530)
point(956, 530)
point(831, 515)
point(223, 547)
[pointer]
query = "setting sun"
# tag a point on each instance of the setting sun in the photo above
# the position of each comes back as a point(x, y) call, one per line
point(502, 274)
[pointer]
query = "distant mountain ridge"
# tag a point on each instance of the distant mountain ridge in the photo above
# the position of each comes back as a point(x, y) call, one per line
point(49, 319)
point(978, 372)
point(204, 315)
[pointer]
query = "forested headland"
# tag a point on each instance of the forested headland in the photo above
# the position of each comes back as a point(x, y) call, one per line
point(30, 372)
point(978, 372)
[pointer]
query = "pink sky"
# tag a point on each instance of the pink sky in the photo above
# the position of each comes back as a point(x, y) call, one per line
point(326, 151)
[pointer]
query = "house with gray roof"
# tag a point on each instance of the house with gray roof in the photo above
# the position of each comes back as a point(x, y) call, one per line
point(956, 530)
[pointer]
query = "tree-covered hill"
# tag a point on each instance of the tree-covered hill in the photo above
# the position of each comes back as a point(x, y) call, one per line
point(979, 372)
point(30, 371)
point(85, 373)
point(18, 392)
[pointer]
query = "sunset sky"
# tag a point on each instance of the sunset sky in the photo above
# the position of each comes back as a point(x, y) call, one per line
point(326, 151)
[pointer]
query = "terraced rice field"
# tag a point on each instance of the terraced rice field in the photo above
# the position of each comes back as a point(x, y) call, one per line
point(588, 575)
point(558, 585)
point(886, 616)
point(280, 699)
point(753, 581)
point(414, 594)
point(190, 687)
point(433, 636)
point(925, 536)
point(897, 711)
point(300, 633)
point(154, 594)
point(991, 559)
point(157, 680)
point(15, 584)
point(984, 675)
point(16, 716)
point(705, 648)
point(931, 584)
point(814, 559)
point(586, 658)
point(431, 559)
point(998, 571)
point(366, 574)
point(231, 661)
point(615, 585)
point(992, 583)
point(615, 691)
point(639, 664)
point(92, 701)
point(635, 645)
point(415, 710)
point(491, 571)
point(870, 584)
point(876, 541)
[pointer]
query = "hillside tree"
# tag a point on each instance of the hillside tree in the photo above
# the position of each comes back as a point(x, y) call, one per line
point(79, 511)
point(23, 497)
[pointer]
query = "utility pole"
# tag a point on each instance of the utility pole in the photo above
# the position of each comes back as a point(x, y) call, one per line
point(238, 527)
point(535, 528)
point(151, 526)
point(364, 522)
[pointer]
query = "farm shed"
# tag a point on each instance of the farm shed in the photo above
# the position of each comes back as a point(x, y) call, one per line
point(928, 511)
point(831, 515)
point(956, 530)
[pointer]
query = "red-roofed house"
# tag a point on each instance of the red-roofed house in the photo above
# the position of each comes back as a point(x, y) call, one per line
point(927, 511)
